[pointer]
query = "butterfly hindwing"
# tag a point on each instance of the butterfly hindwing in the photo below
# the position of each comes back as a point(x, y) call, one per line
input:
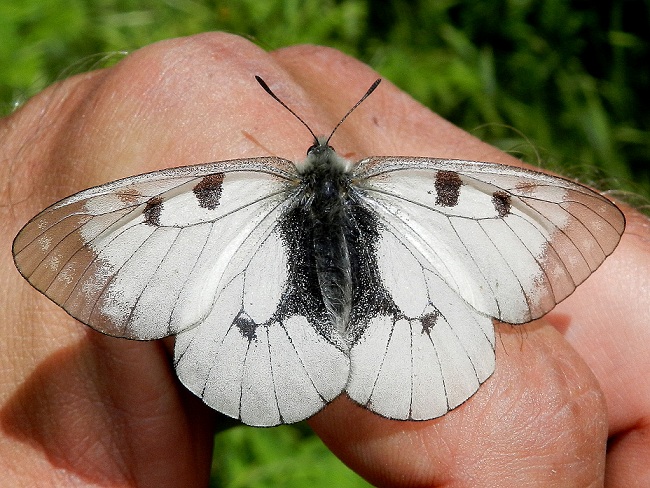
point(424, 350)
point(267, 353)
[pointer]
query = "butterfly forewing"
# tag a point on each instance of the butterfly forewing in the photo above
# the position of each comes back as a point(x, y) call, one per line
point(511, 242)
point(143, 257)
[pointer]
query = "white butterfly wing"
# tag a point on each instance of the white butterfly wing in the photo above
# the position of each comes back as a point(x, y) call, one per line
point(257, 356)
point(461, 242)
point(195, 251)
point(267, 353)
point(143, 257)
point(511, 242)
point(430, 358)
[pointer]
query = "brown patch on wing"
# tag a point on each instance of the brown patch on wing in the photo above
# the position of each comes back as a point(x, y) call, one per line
point(152, 211)
point(501, 202)
point(447, 186)
point(526, 188)
point(129, 195)
point(208, 191)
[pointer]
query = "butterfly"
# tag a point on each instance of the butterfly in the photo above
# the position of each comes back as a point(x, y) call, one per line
point(287, 284)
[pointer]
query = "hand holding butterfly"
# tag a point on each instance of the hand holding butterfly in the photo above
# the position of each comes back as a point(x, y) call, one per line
point(80, 408)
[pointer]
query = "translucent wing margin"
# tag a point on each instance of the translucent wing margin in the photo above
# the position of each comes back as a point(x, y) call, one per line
point(511, 242)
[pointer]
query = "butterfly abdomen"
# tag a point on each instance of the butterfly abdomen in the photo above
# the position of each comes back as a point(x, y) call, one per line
point(326, 218)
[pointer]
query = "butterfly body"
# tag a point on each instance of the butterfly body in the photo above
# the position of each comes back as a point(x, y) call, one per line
point(323, 213)
point(287, 285)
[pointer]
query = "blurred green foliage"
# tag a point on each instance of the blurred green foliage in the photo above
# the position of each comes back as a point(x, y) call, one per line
point(289, 455)
point(572, 77)
point(563, 83)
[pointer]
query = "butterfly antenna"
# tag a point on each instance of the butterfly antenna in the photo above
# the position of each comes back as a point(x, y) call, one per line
point(367, 94)
point(275, 97)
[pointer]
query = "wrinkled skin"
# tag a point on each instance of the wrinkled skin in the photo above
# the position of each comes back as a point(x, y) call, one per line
point(568, 404)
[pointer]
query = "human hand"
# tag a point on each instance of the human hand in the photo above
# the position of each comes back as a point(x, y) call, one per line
point(79, 406)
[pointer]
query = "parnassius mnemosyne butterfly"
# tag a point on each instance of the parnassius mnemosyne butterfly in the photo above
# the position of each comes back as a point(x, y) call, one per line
point(289, 284)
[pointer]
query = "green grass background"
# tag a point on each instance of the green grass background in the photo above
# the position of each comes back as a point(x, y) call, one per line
point(558, 83)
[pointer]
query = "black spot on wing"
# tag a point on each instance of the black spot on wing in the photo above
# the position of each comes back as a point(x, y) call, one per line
point(429, 322)
point(447, 186)
point(501, 202)
point(208, 191)
point(246, 326)
point(152, 211)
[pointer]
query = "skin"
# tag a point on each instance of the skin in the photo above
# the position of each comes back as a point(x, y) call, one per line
point(568, 404)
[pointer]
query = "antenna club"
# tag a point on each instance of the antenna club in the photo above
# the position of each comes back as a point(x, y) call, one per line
point(366, 95)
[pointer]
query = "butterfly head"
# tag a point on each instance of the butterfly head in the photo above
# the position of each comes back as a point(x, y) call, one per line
point(322, 158)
